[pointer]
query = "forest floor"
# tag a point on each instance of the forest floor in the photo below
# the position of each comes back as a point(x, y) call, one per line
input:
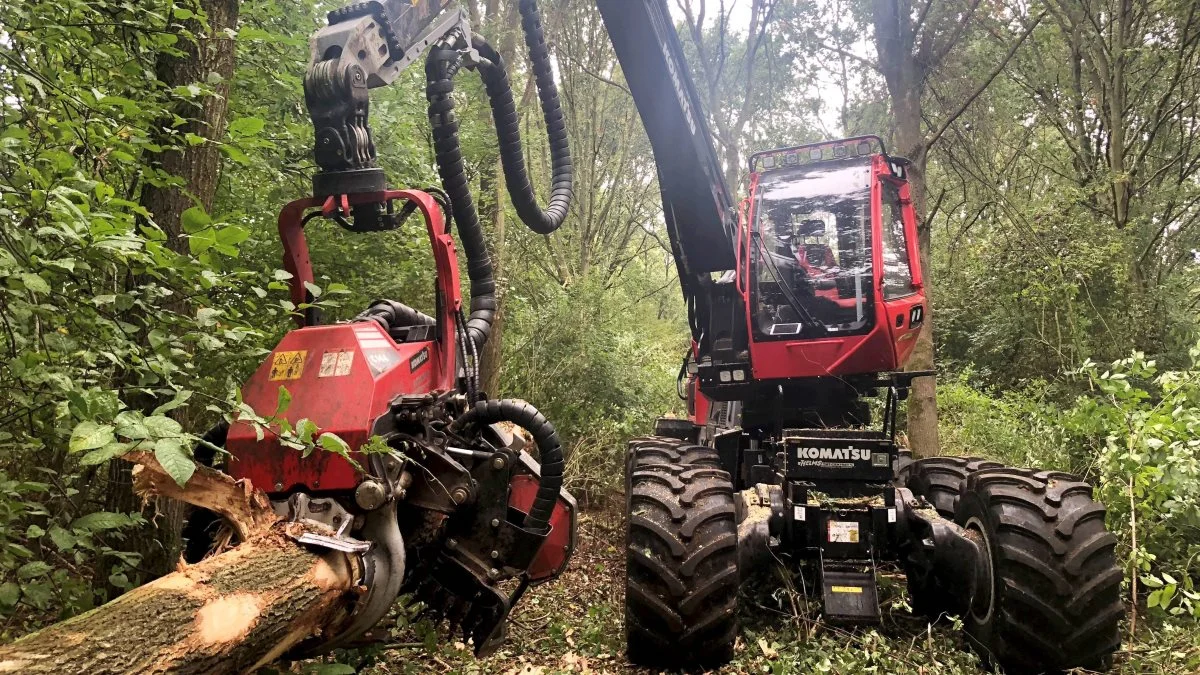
point(575, 625)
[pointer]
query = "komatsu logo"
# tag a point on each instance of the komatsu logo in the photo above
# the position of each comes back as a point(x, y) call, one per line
point(673, 71)
point(841, 454)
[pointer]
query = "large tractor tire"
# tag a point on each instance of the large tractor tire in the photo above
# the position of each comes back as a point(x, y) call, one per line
point(1056, 586)
point(667, 450)
point(938, 479)
point(681, 574)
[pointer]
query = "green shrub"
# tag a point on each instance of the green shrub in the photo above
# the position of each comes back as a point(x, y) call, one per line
point(1143, 427)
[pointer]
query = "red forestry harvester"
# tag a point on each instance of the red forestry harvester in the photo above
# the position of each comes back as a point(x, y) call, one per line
point(804, 300)
point(447, 505)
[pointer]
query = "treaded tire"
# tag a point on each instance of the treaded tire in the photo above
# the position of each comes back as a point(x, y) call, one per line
point(666, 450)
point(1056, 601)
point(938, 479)
point(681, 575)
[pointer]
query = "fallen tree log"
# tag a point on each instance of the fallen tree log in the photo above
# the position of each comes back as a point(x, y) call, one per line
point(231, 613)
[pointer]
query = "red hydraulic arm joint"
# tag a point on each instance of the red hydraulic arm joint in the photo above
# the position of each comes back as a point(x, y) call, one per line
point(297, 261)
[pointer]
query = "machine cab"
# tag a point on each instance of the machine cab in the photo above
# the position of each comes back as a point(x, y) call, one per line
point(828, 261)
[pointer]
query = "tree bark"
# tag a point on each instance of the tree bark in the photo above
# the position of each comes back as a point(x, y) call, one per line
point(905, 74)
point(208, 59)
point(233, 612)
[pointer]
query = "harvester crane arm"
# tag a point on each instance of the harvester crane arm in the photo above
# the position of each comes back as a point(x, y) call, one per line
point(698, 207)
point(366, 45)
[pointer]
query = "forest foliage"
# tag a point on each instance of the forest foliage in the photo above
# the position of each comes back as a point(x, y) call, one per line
point(1062, 200)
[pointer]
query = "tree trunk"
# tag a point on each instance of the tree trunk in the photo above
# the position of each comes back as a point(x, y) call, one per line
point(231, 613)
point(197, 167)
point(905, 76)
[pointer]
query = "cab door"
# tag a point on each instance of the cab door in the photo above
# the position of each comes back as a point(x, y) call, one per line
point(901, 287)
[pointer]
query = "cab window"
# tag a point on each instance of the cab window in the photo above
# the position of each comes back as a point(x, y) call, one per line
point(897, 273)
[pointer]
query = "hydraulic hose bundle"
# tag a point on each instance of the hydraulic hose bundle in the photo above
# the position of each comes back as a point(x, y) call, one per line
point(544, 435)
point(440, 68)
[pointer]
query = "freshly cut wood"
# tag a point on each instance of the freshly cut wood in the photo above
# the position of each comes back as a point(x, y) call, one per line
point(231, 613)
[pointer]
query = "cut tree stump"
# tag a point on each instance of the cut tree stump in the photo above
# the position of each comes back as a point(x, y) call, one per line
point(231, 613)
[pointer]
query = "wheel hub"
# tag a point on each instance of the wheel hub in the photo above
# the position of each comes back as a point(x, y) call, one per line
point(982, 585)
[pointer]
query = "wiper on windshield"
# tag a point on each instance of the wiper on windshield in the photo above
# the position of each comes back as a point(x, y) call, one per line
point(792, 301)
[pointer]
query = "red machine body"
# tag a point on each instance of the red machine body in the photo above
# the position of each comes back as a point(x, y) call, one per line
point(552, 557)
point(342, 377)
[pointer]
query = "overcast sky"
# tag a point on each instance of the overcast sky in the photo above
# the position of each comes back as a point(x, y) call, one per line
point(739, 20)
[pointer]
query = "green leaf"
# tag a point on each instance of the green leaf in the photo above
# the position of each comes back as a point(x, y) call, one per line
point(34, 282)
point(131, 424)
point(102, 455)
point(33, 569)
point(202, 241)
point(88, 436)
point(175, 460)
point(34, 532)
point(181, 397)
point(207, 316)
point(313, 288)
point(334, 443)
point(10, 594)
point(101, 520)
point(194, 219)
point(306, 429)
point(161, 426)
point(246, 126)
point(232, 235)
point(120, 580)
point(283, 402)
point(37, 594)
point(62, 539)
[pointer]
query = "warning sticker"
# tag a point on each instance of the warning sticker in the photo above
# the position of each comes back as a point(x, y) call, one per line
point(847, 589)
point(336, 364)
point(287, 365)
point(841, 532)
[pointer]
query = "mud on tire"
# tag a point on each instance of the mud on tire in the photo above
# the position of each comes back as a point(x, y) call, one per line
point(938, 479)
point(1056, 601)
point(681, 576)
point(646, 450)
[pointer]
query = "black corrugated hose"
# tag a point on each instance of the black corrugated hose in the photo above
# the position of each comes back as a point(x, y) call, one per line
point(549, 448)
point(392, 315)
point(440, 67)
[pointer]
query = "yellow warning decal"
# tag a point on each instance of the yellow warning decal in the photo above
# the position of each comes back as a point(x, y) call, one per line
point(847, 589)
point(287, 365)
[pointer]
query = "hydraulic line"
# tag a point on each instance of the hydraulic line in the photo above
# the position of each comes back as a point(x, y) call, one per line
point(440, 68)
point(549, 450)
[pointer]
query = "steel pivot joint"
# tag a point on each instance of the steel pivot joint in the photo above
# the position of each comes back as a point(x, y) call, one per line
point(366, 45)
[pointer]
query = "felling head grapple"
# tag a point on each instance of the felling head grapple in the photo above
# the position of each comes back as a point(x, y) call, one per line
point(447, 504)
point(435, 493)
